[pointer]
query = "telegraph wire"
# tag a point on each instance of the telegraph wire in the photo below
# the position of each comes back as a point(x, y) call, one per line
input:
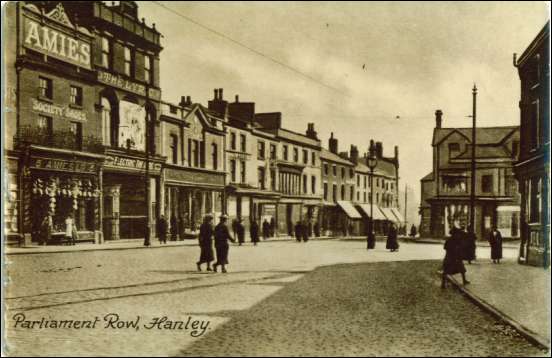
point(257, 52)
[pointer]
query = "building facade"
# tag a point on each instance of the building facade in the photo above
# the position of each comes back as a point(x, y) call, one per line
point(446, 190)
point(533, 168)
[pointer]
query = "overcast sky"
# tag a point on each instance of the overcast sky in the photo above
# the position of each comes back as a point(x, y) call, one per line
point(417, 57)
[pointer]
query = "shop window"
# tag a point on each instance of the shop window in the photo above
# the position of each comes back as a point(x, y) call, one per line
point(147, 69)
point(214, 155)
point(232, 171)
point(106, 52)
point(11, 205)
point(487, 183)
point(454, 184)
point(242, 171)
point(45, 88)
point(243, 142)
point(76, 95)
point(272, 151)
point(261, 150)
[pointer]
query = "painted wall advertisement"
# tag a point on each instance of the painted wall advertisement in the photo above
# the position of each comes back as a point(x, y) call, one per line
point(132, 126)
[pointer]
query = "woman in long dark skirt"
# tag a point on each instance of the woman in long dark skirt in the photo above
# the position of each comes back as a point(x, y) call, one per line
point(240, 232)
point(495, 240)
point(206, 243)
point(254, 232)
point(222, 236)
point(392, 241)
point(469, 246)
point(452, 264)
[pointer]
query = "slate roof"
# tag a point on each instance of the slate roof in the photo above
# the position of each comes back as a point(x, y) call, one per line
point(483, 135)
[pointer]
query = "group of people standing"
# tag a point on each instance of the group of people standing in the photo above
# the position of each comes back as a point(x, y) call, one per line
point(461, 246)
point(301, 231)
point(47, 228)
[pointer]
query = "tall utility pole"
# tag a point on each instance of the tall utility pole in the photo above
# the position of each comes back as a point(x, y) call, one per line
point(147, 232)
point(405, 205)
point(472, 191)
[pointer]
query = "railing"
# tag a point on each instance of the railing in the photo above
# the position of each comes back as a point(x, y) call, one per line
point(58, 139)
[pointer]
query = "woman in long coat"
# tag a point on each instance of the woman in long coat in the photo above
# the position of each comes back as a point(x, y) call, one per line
point(240, 232)
point(222, 236)
point(206, 243)
point(495, 240)
point(266, 229)
point(46, 229)
point(469, 246)
point(298, 231)
point(452, 264)
point(392, 243)
point(254, 232)
point(305, 231)
point(163, 226)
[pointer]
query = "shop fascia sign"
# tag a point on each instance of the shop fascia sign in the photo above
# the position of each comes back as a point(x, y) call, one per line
point(121, 82)
point(63, 165)
point(130, 163)
point(57, 110)
point(52, 42)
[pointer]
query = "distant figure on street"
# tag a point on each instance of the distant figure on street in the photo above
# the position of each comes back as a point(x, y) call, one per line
point(266, 229)
point(316, 229)
point(495, 240)
point(305, 231)
point(240, 231)
point(413, 231)
point(222, 236)
point(254, 232)
point(452, 264)
point(469, 246)
point(174, 228)
point(206, 243)
point(370, 237)
point(46, 229)
point(235, 227)
point(163, 227)
point(69, 225)
point(298, 231)
point(272, 226)
point(181, 223)
point(392, 240)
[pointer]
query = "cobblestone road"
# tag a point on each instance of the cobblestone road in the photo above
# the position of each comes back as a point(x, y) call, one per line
point(279, 298)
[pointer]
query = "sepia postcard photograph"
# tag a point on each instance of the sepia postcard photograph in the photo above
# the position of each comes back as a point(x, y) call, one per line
point(234, 179)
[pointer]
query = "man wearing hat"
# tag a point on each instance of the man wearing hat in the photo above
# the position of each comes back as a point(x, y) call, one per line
point(206, 243)
point(240, 231)
point(222, 235)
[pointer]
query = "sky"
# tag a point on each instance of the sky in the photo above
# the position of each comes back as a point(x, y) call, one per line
point(355, 66)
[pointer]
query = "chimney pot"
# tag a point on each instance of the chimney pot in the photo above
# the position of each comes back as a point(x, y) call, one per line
point(220, 94)
point(237, 98)
point(438, 118)
point(216, 93)
point(188, 99)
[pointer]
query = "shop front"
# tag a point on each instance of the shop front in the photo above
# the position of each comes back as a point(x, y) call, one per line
point(189, 195)
point(288, 215)
point(124, 195)
point(61, 184)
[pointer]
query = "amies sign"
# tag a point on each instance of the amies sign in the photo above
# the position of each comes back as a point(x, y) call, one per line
point(49, 41)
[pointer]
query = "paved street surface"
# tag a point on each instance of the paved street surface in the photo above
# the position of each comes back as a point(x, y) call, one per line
point(278, 298)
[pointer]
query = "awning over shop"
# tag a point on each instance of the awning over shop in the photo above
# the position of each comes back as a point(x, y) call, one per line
point(378, 215)
point(389, 214)
point(349, 209)
point(398, 214)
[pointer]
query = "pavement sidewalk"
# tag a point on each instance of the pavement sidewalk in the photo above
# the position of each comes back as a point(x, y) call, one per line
point(517, 294)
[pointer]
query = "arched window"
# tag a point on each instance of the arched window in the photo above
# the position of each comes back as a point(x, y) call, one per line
point(106, 122)
point(214, 154)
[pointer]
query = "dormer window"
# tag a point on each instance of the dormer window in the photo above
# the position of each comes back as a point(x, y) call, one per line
point(454, 149)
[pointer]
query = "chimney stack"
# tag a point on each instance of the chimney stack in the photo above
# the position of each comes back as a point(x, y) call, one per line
point(397, 155)
point(379, 150)
point(220, 94)
point(372, 149)
point(188, 100)
point(332, 144)
point(438, 118)
point(354, 154)
point(237, 98)
point(311, 133)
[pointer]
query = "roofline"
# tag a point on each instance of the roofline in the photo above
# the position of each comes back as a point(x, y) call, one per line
point(534, 44)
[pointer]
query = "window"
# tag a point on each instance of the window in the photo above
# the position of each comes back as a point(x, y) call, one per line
point(76, 130)
point(334, 169)
point(106, 52)
point(352, 193)
point(326, 191)
point(147, 69)
point(260, 150)
point(313, 184)
point(242, 171)
point(214, 155)
point(326, 169)
point(454, 184)
point(377, 182)
point(232, 140)
point(535, 200)
point(272, 151)
point(305, 156)
point(272, 179)
point(377, 198)
point(313, 158)
point(45, 88)
point(351, 173)
point(334, 192)
point(364, 183)
point(487, 183)
point(358, 195)
point(173, 149)
point(285, 152)
point(305, 184)
point(76, 95)
point(106, 122)
point(343, 172)
point(295, 155)
point(534, 125)
point(129, 61)
point(261, 178)
point(454, 148)
point(232, 171)
point(242, 143)
point(193, 152)
point(358, 179)
point(342, 192)
point(45, 126)
point(364, 196)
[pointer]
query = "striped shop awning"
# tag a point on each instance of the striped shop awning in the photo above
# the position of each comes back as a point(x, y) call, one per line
point(378, 215)
point(349, 209)
point(389, 214)
point(398, 214)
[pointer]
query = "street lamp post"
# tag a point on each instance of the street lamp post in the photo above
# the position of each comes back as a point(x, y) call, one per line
point(372, 163)
point(473, 182)
point(147, 233)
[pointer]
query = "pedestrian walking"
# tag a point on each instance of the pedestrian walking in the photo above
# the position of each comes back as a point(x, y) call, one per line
point(495, 240)
point(254, 232)
point(69, 224)
point(305, 231)
point(163, 227)
point(370, 237)
point(240, 231)
point(222, 236)
point(413, 231)
point(206, 243)
point(272, 226)
point(392, 243)
point(46, 229)
point(266, 229)
point(298, 233)
point(235, 227)
point(469, 246)
point(316, 229)
point(174, 228)
point(453, 264)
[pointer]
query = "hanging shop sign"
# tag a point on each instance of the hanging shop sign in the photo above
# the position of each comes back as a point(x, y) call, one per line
point(63, 165)
point(57, 110)
point(51, 42)
point(116, 162)
point(119, 81)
